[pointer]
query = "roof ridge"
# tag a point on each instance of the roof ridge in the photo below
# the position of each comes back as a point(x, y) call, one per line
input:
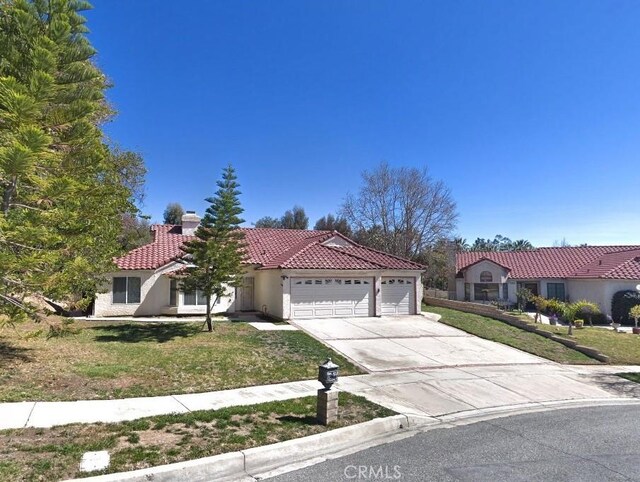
point(617, 266)
point(399, 258)
point(343, 251)
point(294, 250)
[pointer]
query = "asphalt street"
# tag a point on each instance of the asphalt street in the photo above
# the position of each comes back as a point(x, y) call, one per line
point(584, 444)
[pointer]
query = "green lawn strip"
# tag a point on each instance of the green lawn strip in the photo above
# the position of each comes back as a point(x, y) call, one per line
point(621, 348)
point(509, 335)
point(634, 377)
point(55, 453)
point(133, 359)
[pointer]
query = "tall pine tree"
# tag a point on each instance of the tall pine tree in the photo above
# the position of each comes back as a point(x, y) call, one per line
point(62, 190)
point(215, 256)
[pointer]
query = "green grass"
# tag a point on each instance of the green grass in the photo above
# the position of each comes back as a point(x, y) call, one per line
point(118, 360)
point(634, 377)
point(54, 454)
point(621, 348)
point(495, 330)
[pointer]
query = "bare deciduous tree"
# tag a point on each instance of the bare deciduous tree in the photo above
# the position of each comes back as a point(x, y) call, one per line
point(400, 210)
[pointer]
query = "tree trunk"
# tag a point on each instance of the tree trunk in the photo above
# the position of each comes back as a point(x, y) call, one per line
point(570, 328)
point(209, 324)
point(590, 322)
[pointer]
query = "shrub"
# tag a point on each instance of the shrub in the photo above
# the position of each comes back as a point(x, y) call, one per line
point(621, 304)
point(586, 310)
point(555, 307)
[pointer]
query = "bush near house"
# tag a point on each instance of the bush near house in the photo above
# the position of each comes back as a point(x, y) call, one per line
point(621, 304)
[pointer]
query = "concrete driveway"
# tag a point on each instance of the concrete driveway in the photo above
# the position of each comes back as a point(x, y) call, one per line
point(410, 342)
point(424, 368)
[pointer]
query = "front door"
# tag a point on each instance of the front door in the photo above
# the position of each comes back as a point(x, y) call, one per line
point(245, 294)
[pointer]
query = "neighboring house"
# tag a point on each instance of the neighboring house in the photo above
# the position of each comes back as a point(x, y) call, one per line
point(289, 274)
point(594, 273)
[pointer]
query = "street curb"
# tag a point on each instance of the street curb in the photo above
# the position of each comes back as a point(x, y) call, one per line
point(259, 460)
point(483, 414)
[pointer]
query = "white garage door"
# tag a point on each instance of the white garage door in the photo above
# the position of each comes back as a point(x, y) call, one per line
point(331, 297)
point(397, 296)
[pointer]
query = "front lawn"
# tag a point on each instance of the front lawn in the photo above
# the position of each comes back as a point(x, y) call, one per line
point(55, 453)
point(133, 359)
point(621, 348)
point(509, 335)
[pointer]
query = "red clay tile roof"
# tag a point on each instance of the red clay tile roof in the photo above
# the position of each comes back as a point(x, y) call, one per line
point(270, 248)
point(608, 262)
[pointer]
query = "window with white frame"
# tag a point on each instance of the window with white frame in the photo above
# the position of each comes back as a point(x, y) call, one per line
point(193, 298)
point(126, 289)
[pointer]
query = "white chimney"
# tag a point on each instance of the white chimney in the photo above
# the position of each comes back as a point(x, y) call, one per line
point(190, 222)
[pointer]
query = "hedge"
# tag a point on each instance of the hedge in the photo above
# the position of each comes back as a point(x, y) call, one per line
point(621, 303)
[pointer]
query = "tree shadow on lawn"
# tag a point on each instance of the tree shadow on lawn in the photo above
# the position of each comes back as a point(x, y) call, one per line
point(10, 353)
point(299, 420)
point(157, 332)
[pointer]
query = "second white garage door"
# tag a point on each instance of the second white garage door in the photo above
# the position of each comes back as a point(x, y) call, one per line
point(397, 296)
point(331, 297)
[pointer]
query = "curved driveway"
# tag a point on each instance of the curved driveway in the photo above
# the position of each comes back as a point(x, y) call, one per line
point(420, 367)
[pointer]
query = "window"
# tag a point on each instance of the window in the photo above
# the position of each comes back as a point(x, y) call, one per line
point(126, 289)
point(485, 291)
point(486, 277)
point(193, 298)
point(467, 291)
point(328, 281)
point(338, 281)
point(308, 282)
point(505, 291)
point(318, 281)
point(347, 281)
point(173, 293)
point(400, 281)
point(555, 290)
point(357, 282)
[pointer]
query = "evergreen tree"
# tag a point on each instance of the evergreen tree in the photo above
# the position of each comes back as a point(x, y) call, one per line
point(332, 223)
point(62, 191)
point(295, 219)
point(173, 214)
point(268, 222)
point(215, 257)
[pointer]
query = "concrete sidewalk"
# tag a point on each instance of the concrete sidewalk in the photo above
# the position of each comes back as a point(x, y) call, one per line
point(48, 414)
point(419, 393)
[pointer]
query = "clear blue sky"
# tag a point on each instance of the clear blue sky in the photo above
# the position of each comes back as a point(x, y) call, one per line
point(528, 110)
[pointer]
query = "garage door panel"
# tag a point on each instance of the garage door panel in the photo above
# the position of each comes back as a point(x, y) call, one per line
point(397, 296)
point(331, 297)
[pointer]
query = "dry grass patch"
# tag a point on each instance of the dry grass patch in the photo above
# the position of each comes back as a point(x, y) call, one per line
point(105, 360)
point(54, 454)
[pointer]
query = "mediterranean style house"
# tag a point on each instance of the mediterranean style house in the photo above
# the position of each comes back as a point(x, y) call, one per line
point(593, 273)
point(289, 274)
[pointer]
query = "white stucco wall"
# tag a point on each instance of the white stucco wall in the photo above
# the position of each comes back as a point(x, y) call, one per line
point(154, 296)
point(268, 292)
point(472, 274)
point(598, 291)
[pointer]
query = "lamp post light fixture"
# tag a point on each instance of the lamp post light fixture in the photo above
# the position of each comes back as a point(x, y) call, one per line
point(327, 407)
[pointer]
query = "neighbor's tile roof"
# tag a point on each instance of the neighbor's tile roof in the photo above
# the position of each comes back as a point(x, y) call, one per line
point(607, 262)
point(270, 248)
